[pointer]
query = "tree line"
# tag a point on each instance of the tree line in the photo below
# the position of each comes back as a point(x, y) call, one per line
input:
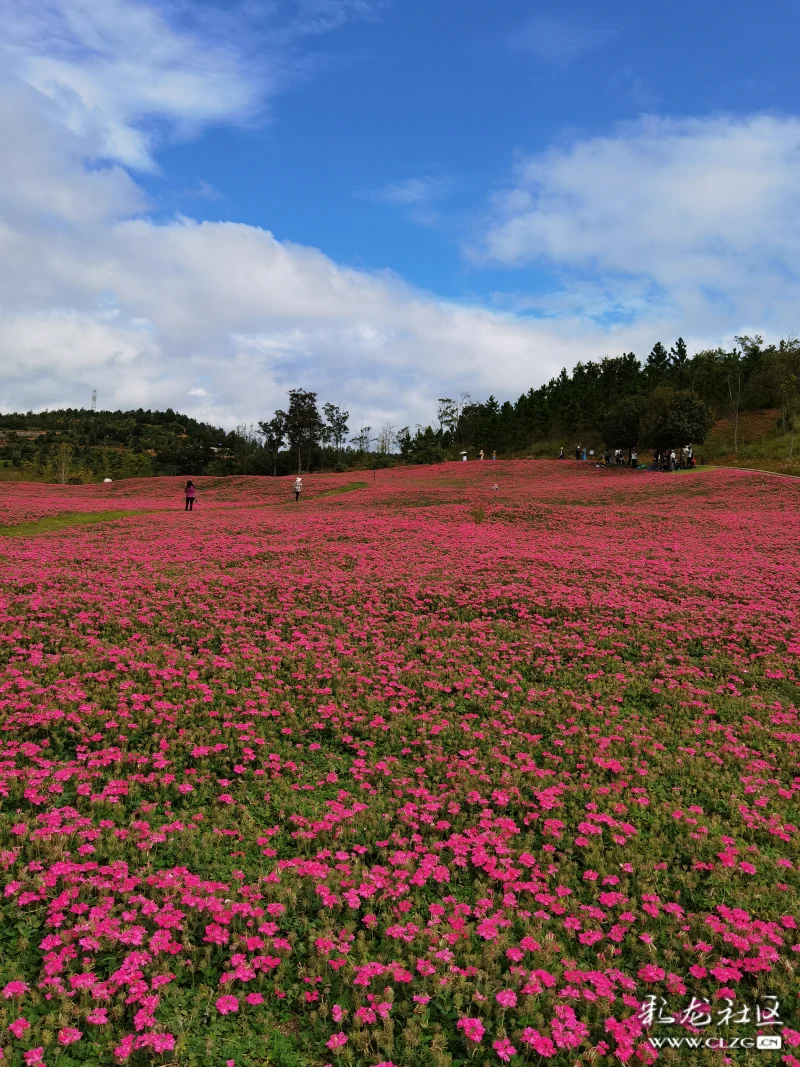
point(78, 445)
point(669, 399)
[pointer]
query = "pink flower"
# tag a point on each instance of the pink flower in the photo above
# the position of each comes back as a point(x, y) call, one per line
point(69, 1035)
point(506, 998)
point(543, 1045)
point(254, 998)
point(504, 1049)
point(33, 1057)
point(473, 1029)
point(125, 1047)
point(18, 1027)
point(15, 989)
point(226, 1005)
point(99, 1017)
point(336, 1041)
point(157, 1042)
point(748, 868)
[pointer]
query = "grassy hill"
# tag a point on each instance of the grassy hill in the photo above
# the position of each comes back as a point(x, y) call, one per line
point(759, 444)
point(92, 445)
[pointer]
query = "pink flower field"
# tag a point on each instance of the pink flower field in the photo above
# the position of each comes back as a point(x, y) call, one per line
point(413, 773)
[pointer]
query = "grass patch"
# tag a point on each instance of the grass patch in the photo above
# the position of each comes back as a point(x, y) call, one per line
point(341, 489)
point(60, 522)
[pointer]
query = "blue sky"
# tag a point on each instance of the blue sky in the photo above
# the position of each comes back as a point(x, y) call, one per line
point(434, 100)
point(385, 200)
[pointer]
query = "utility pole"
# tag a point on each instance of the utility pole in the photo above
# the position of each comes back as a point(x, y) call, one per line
point(94, 400)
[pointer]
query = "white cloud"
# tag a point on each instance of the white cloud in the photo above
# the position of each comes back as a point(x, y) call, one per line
point(98, 295)
point(560, 40)
point(635, 87)
point(411, 191)
point(707, 211)
point(117, 69)
point(420, 196)
point(125, 73)
point(234, 307)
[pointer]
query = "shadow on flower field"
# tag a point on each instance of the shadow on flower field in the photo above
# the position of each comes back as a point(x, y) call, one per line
point(414, 772)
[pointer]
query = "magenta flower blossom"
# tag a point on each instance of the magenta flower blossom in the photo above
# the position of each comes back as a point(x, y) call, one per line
point(506, 998)
point(69, 1035)
point(473, 1029)
point(543, 1046)
point(227, 1005)
point(15, 989)
point(504, 1049)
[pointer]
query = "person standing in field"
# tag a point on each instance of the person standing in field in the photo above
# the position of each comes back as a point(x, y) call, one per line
point(494, 455)
point(298, 487)
point(480, 454)
point(634, 458)
point(561, 452)
point(189, 493)
point(672, 460)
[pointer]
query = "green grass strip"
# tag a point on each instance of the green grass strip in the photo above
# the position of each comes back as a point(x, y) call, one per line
point(61, 522)
point(342, 489)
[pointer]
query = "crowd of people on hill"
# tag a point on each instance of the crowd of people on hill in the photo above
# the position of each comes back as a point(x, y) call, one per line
point(682, 459)
point(617, 459)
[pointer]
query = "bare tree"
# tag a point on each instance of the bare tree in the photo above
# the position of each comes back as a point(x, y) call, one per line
point(787, 368)
point(733, 377)
point(446, 414)
point(386, 438)
point(463, 400)
point(363, 439)
point(63, 462)
point(245, 445)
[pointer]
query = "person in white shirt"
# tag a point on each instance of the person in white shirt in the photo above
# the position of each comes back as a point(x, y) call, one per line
point(298, 487)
